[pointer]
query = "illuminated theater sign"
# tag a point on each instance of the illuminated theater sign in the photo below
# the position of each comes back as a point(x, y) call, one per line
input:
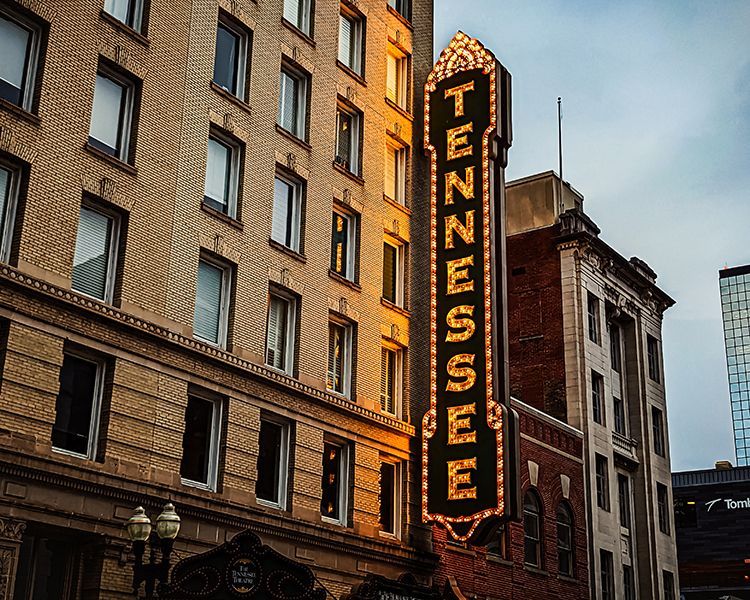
point(469, 434)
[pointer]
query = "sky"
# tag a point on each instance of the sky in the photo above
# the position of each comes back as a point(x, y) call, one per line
point(656, 136)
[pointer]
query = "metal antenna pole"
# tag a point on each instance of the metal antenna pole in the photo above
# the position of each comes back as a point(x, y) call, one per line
point(559, 149)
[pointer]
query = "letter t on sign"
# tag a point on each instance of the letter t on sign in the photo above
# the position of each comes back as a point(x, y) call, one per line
point(458, 94)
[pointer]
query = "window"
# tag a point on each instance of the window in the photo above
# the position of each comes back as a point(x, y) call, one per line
point(273, 462)
point(211, 302)
point(339, 357)
point(390, 498)
point(607, 575)
point(343, 244)
point(498, 544)
point(280, 332)
point(593, 318)
point(628, 583)
point(397, 76)
point(654, 371)
point(685, 512)
point(287, 212)
point(597, 397)
point(77, 406)
point(222, 174)
point(48, 566)
point(564, 540)
point(95, 259)
point(390, 380)
point(230, 60)
point(393, 273)
point(335, 483)
point(668, 579)
point(615, 349)
point(111, 115)
point(402, 7)
point(297, 12)
point(8, 202)
point(602, 482)
point(348, 139)
point(19, 47)
point(619, 410)
point(292, 115)
point(395, 173)
point(129, 12)
point(200, 442)
point(662, 507)
point(351, 40)
point(623, 499)
point(532, 539)
point(657, 426)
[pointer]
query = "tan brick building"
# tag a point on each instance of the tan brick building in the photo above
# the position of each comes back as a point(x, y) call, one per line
point(205, 249)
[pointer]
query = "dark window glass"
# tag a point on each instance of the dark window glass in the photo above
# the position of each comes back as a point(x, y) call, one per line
point(388, 497)
point(47, 568)
point(401, 6)
point(286, 213)
point(269, 461)
point(344, 139)
point(593, 317)
point(615, 351)
point(330, 504)
point(685, 513)
point(340, 245)
point(196, 441)
point(498, 545)
point(390, 272)
point(619, 410)
point(657, 423)
point(607, 575)
point(7, 210)
point(602, 482)
point(564, 540)
point(654, 371)
point(127, 11)
point(627, 582)
point(662, 507)
point(338, 358)
point(597, 395)
point(75, 406)
point(623, 498)
point(532, 529)
point(668, 585)
point(226, 61)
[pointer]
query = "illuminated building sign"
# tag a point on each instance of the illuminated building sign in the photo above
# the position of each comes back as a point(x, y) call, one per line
point(469, 435)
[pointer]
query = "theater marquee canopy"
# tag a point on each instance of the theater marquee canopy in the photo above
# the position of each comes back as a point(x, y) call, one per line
point(469, 434)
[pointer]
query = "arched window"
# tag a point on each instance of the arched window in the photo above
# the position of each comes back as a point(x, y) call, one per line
point(564, 539)
point(532, 528)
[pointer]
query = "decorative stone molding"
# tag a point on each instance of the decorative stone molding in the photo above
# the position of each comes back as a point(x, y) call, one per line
point(400, 39)
point(346, 198)
point(40, 8)
point(11, 529)
point(228, 123)
point(122, 56)
point(295, 54)
point(283, 277)
point(237, 8)
point(342, 307)
point(394, 333)
point(533, 473)
point(218, 245)
point(291, 161)
point(9, 144)
point(106, 189)
point(565, 486)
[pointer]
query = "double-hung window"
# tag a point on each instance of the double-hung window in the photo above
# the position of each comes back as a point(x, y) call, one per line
point(287, 211)
point(335, 483)
point(532, 529)
point(111, 115)
point(597, 397)
point(200, 442)
point(393, 273)
point(8, 202)
point(273, 463)
point(657, 426)
point(601, 473)
point(348, 131)
point(280, 331)
point(654, 368)
point(351, 40)
point(95, 259)
point(297, 12)
point(390, 498)
point(390, 380)
point(592, 312)
point(212, 302)
point(402, 7)
point(623, 499)
point(564, 540)
point(662, 507)
point(19, 48)
point(615, 348)
point(340, 347)
point(222, 174)
point(78, 406)
point(129, 12)
point(343, 244)
point(230, 60)
point(668, 580)
point(397, 77)
point(607, 573)
point(618, 407)
point(293, 90)
point(395, 173)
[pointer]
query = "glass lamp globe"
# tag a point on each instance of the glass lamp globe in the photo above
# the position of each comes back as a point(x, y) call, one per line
point(139, 525)
point(168, 523)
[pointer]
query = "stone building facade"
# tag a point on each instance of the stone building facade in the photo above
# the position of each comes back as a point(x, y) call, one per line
point(585, 329)
point(206, 227)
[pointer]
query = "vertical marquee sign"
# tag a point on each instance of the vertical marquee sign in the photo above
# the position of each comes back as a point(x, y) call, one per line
point(469, 434)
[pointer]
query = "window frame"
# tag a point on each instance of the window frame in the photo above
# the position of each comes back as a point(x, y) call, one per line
point(214, 449)
point(352, 220)
point(114, 245)
point(537, 541)
point(620, 419)
point(225, 303)
point(293, 228)
point(564, 507)
point(615, 348)
point(11, 210)
point(291, 329)
point(136, 14)
point(356, 60)
point(125, 129)
point(624, 503)
point(407, 6)
point(354, 165)
point(235, 162)
point(628, 582)
point(399, 172)
point(668, 584)
point(96, 403)
point(401, 85)
point(303, 92)
point(598, 408)
point(397, 393)
point(306, 22)
point(244, 43)
point(395, 499)
point(602, 481)
point(347, 366)
point(662, 508)
point(31, 57)
point(652, 356)
point(608, 577)
point(593, 318)
point(399, 291)
point(657, 429)
point(283, 464)
point(343, 490)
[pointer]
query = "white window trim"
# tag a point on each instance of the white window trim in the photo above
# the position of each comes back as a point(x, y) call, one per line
point(303, 81)
point(289, 334)
point(346, 364)
point(226, 282)
point(96, 405)
point(396, 534)
point(234, 170)
point(398, 379)
point(399, 172)
point(399, 271)
point(402, 74)
point(343, 487)
point(357, 41)
point(297, 191)
point(355, 141)
point(32, 58)
point(351, 219)
point(124, 137)
point(114, 242)
point(137, 15)
point(283, 465)
point(241, 71)
point(11, 205)
point(304, 24)
point(213, 450)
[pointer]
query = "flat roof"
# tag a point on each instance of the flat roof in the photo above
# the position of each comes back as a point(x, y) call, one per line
point(710, 476)
point(733, 271)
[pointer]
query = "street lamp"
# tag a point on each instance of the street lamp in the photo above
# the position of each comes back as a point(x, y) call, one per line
point(140, 530)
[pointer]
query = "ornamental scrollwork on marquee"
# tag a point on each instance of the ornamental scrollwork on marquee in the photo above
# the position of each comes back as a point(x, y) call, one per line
point(464, 53)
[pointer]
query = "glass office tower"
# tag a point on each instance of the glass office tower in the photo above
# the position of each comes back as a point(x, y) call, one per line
point(734, 285)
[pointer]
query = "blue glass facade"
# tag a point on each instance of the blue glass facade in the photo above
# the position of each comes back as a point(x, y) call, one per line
point(734, 286)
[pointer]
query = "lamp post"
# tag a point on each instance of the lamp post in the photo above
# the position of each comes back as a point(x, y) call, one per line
point(140, 531)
